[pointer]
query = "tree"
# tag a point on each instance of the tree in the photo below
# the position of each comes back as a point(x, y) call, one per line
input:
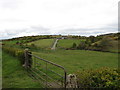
point(82, 45)
point(74, 45)
point(105, 43)
point(17, 42)
point(92, 39)
point(32, 45)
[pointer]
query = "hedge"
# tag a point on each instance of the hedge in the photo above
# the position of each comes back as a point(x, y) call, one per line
point(100, 78)
point(19, 53)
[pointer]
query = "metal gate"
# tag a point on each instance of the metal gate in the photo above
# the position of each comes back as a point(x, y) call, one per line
point(49, 74)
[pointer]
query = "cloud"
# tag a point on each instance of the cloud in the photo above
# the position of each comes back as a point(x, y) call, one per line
point(34, 30)
point(40, 30)
point(110, 28)
point(32, 17)
point(9, 4)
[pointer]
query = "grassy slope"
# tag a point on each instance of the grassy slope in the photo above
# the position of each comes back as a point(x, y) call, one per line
point(74, 60)
point(0, 66)
point(115, 46)
point(14, 76)
point(43, 43)
point(67, 43)
point(10, 42)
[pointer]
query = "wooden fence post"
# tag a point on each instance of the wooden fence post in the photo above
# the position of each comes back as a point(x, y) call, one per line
point(28, 59)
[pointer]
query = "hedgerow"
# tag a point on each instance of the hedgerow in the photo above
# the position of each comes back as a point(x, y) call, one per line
point(100, 78)
point(19, 53)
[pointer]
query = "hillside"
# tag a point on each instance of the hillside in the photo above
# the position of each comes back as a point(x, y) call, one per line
point(74, 53)
point(14, 75)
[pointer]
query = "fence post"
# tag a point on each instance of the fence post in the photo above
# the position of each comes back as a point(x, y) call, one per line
point(65, 77)
point(28, 59)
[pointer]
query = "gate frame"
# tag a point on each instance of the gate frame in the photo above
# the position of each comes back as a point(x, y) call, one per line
point(27, 63)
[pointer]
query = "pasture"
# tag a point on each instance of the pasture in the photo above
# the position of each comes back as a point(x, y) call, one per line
point(71, 60)
point(74, 60)
point(15, 76)
point(0, 66)
point(42, 43)
point(67, 43)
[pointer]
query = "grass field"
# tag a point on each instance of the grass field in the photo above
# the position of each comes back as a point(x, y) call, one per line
point(14, 76)
point(67, 43)
point(115, 46)
point(0, 66)
point(10, 42)
point(43, 43)
point(74, 60)
point(13, 42)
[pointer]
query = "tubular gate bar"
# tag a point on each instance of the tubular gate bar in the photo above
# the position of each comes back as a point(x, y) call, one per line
point(40, 72)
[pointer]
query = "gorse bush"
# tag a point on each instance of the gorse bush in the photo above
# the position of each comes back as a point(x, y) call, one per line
point(74, 45)
point(19, 53)
point(100, 78)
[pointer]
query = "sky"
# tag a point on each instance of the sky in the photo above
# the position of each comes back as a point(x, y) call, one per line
point(50, 17)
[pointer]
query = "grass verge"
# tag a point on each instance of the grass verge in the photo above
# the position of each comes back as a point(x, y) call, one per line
point(14, 75)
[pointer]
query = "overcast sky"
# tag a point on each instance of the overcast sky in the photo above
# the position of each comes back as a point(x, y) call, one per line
point(39, 17)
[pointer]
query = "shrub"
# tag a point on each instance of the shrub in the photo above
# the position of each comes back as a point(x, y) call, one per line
point(19, 53)
point(74, 45)
point(105, 44)
point(82, 45)
point(32, 45)
point(99, 78)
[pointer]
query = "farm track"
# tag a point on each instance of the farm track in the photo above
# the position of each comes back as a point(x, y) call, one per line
point(54, 45)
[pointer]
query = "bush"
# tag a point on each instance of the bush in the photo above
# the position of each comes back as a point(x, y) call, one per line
point(99, 78)
point(82, 45)
point(74, 45)
point(32, 45)
point(105, 44)
point(15, 52)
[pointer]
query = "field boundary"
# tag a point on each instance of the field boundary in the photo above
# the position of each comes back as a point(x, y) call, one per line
point(34, 67)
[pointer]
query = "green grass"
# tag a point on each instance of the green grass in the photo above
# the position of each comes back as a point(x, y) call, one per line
point(42, 43)
point(14, 75)
point(0, 67)
point(74, 60)
point(67, 43)
point(12, 42)
point(114, 47)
